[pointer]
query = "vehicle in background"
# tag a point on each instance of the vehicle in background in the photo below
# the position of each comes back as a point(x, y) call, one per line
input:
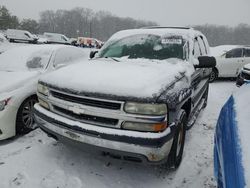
point(218, 51)
point(73, 41)
point(244, 75)
point(4, 43)
point(20, 35)
point(20, 68)
point(135, 100)
point(42, 40)
point(230, 63)
point(231, 142)
point(89, 42)
point(56, 38)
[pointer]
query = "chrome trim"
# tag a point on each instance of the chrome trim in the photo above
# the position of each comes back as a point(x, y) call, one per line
point(153, 154)
point(120, 115)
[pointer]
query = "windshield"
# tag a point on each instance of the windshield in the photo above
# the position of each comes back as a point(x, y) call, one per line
point(24, 59)
point(146, 46)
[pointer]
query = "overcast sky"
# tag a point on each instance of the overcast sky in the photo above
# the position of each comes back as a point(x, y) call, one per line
point(164, 12)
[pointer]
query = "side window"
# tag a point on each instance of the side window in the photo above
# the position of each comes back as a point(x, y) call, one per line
point(197, 50)
point(235, 53)
point(247, 53)
point(202, 46)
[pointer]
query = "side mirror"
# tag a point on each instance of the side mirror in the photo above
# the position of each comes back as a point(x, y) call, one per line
point(92, 54)
point(206, 62)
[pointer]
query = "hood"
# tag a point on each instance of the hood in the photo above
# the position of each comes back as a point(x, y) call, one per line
point(14, 80)
point(138, 78)
point(247, 66)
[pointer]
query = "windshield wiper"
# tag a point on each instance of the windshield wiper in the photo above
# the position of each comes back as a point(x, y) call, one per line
point(113, 59)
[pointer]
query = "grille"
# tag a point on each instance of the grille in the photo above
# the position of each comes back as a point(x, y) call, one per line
point(87, 118)
point(87, 102)
point(245, 76)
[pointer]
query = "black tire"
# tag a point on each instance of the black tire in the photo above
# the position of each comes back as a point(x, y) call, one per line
point(25, 117)
point(213, 76)
point(176, 152)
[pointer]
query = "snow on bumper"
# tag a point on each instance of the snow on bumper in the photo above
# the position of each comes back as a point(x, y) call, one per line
point(154, 146)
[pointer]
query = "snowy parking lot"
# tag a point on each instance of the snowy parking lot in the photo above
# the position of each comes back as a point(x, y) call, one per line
point(35, 160)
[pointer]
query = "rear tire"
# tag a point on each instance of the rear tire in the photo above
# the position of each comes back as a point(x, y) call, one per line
point(176, 152)
point(25, 117)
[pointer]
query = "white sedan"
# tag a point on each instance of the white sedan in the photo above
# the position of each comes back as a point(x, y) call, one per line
point(230, 63)
point(20, 69)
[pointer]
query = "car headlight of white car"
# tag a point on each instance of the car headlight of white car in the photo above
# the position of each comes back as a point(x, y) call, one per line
point(42, 89)
point(4, 103)
point(145, 108)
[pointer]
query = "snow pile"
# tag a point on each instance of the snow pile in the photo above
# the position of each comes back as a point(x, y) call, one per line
point(220, 50)
point(242, 107)
point(133, 78)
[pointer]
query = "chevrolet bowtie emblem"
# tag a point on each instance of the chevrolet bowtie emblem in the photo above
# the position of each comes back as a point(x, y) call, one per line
point(76, 110)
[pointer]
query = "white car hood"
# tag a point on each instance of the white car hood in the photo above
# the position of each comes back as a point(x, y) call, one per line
point(131, 78)
point(14, 80)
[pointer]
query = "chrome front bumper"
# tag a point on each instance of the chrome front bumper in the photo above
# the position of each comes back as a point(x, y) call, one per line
point(107, 138)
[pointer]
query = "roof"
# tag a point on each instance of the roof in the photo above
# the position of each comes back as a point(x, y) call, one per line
point(186, 33)
point(165, 27)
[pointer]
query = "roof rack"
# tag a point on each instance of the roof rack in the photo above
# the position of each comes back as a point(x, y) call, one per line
point(162, 27)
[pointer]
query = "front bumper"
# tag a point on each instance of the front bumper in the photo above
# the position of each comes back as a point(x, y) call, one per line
point(154, 147)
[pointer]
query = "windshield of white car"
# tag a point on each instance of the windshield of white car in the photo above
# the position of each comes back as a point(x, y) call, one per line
point(145, 46)
point(20, 60)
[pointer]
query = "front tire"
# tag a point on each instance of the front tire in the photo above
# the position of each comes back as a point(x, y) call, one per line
point(25, 117)
point(176, 152)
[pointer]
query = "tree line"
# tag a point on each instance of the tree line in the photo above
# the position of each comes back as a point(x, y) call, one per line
point(102, 24)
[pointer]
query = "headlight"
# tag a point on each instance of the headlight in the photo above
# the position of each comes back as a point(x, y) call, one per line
point(4, 103)
point(42, 89)
point(145, 109)
point(145, 127)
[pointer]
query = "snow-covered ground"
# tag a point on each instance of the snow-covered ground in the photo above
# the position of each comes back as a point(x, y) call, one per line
point(37, 161)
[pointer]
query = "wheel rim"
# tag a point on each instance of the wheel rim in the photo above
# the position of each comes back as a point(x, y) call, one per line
point(179, 141)
point(27, 113)
point(212, 76)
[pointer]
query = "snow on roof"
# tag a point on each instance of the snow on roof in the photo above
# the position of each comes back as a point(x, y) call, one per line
point(242, 107)
point(185, 33)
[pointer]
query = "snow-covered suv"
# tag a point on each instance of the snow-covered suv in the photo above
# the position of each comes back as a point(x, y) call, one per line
point(135, 99)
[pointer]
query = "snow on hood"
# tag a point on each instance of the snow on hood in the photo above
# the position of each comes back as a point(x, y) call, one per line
point(13, 80)
point(129, 78)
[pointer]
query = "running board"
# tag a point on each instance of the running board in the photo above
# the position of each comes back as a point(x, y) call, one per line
point(195, 115)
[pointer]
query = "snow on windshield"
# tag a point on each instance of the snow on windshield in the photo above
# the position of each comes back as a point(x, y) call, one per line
point(146, 46)
point(25, 58)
